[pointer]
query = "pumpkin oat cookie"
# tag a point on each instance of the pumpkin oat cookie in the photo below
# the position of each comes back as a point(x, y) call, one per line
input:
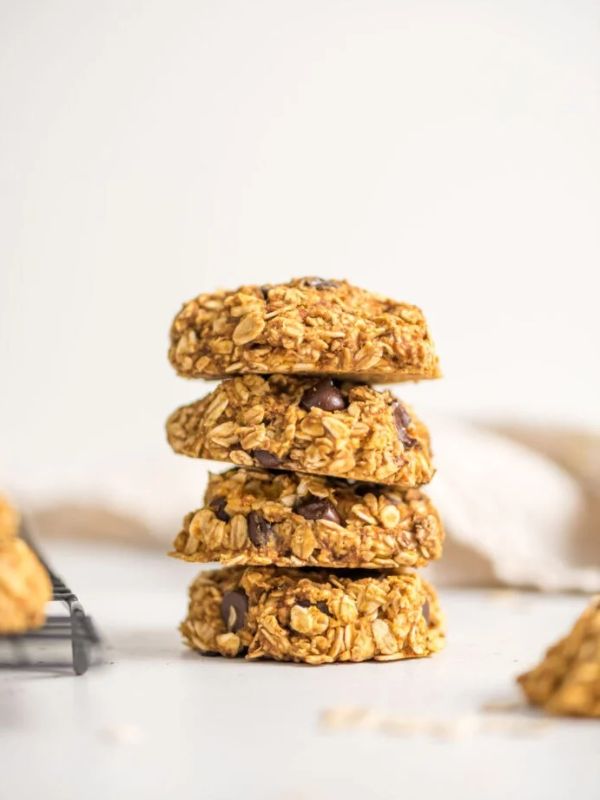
point(9, 520)
point(24, 587)
point(567, 681)
point(260, 517)
point(315, 617)
point(309, 326)
point(318, 426)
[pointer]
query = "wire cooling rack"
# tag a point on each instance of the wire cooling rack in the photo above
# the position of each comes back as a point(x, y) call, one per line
point(66, 641)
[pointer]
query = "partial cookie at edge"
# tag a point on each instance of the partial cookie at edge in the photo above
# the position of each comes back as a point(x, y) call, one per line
point(9, 519)
point(25, 588)
point(567, 681)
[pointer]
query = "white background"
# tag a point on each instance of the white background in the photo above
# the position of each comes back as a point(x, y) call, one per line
point(445, 153)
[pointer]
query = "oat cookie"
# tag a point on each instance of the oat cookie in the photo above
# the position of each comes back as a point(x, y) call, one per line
point(24, 587)
point(318, 426)
point(308, 326)
point(313, 616)
point(9, 520)
point(567, 681)
point(289, 519)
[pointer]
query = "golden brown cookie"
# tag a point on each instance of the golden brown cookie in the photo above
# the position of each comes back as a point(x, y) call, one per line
point(262, 517)
point(309, 326)
point(9, 520)
point(313, 616)
point(567, 681)
point(24, 587)
point(318, 426)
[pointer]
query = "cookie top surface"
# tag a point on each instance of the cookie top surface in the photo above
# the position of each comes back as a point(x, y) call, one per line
point(318, 426)
point(306, 326)
point(262, 517)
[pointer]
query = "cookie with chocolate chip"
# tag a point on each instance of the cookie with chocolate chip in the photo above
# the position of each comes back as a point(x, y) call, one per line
point(314, 425)
point(309, 326)
point(313, 616)
point(260, 517)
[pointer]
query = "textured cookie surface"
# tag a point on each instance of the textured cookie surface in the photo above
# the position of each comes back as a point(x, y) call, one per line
point(24, 587)
point(318, 426)
point(308, 326)
point(567, 681)
point(263, 517)
point(316, 617)
point(9, 520)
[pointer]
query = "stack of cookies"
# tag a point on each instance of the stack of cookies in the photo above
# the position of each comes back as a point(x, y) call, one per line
point(321, 521)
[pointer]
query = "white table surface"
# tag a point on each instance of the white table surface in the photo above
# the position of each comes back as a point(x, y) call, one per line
point(156, 720)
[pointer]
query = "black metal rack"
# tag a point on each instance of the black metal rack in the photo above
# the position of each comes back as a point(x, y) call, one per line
point(43, 648)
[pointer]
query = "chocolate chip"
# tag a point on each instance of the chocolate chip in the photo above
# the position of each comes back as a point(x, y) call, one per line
point(218, 506)
point(266, 459)
point(317, 508)
point(362, 489)
point(259, 529)
point(425, 611)
point(401, 415)
point(355, 574)
point(402, 420)
point(320, 283)
point(234, 607)
point(264, 290)
point(307, 604)
point(407, 440)
point(325, 395)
